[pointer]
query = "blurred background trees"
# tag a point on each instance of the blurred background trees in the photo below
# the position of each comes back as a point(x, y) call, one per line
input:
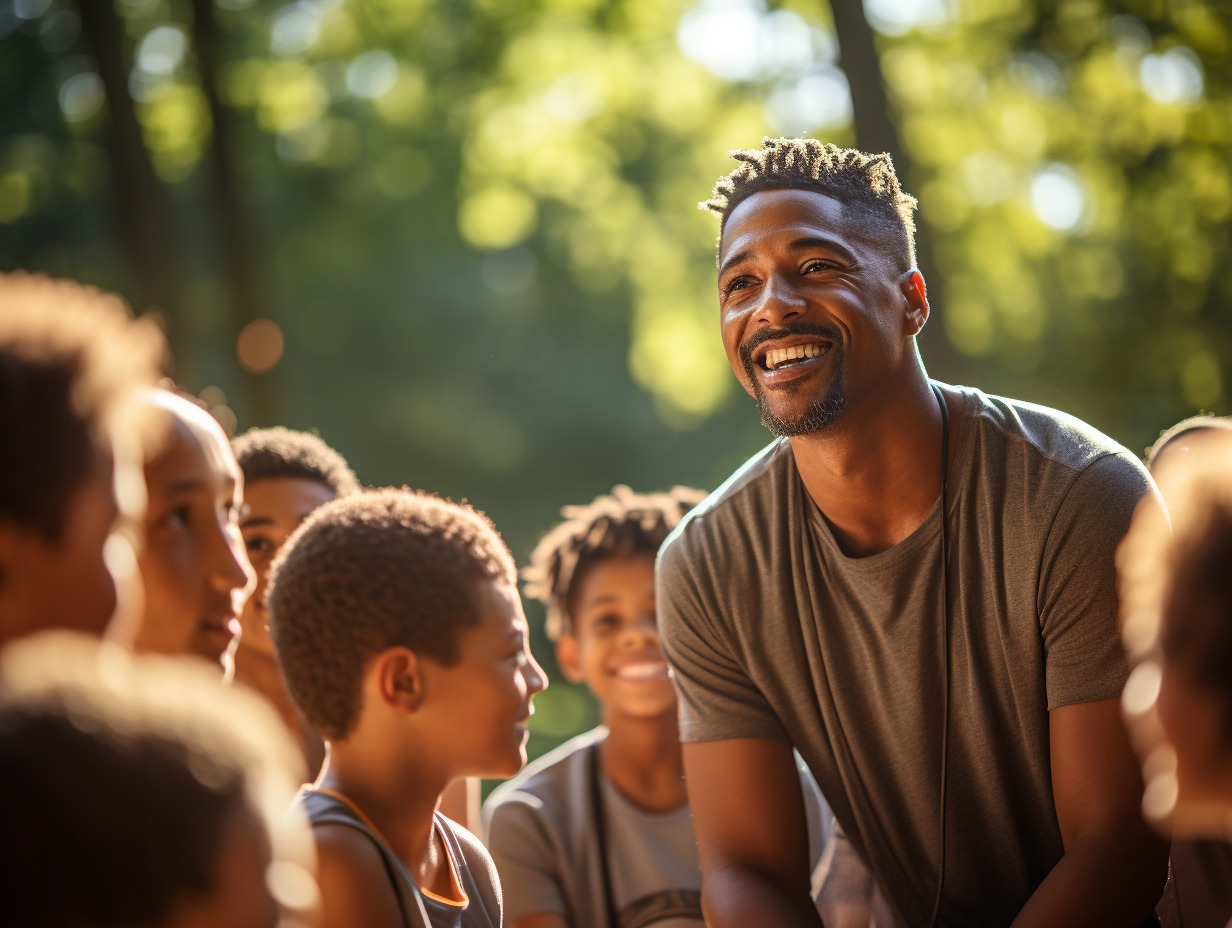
point(460, 239)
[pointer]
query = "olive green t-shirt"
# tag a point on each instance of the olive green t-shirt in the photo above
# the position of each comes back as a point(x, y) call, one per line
point(773, 632)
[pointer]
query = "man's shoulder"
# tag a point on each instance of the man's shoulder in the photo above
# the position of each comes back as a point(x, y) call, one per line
point(740, 499)
point(1044, 433)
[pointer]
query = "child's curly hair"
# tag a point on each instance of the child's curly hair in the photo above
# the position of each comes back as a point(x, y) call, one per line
point(616, 525)
point(368, 572)
point(281, 452)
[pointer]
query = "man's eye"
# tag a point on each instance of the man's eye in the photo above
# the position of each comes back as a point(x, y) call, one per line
point(818, 265)
point(740, 283)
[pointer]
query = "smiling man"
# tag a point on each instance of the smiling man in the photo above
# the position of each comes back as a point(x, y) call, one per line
point(913, 586)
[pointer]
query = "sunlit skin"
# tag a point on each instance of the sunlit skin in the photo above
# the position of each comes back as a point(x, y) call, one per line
point(194, 571)
point(800, 260)
point(1192, 719)
point(422, 725)
point(61, 582)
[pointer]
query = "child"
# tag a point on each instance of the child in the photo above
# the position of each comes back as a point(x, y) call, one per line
point(287, 474)
point(598, 832)
point(397, 624)
point(1201, 870)
point(71, 358)
point(141, 793)
point(194, 571)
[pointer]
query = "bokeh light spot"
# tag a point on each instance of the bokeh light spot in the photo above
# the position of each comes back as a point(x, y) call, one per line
point(497, 217)
point(81, 96)
point(1173, 77)
point(1057, 197)
point(260, 346)
point(371, 75)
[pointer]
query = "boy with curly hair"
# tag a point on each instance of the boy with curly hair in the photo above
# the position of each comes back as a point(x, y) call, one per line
point(397, 624)
point(598, 833)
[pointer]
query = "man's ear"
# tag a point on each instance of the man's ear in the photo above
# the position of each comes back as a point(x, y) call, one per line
point(569, 658)
point(915, 293)
point(399, 678)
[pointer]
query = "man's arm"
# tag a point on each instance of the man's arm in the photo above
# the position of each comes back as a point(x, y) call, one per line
point(751, 833)
point(1114, 868)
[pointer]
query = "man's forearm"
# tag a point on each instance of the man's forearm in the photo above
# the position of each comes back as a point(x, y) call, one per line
point(1101, 881)
point(736, 898)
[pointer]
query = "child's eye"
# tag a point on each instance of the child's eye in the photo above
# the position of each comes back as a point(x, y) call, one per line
point(177, 518)
point(258, 546)
point(606, 621)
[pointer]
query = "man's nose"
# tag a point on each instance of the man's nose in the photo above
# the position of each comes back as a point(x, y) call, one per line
point(780, 302)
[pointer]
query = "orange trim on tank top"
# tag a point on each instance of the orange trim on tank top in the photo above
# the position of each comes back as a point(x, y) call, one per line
point(454, 881)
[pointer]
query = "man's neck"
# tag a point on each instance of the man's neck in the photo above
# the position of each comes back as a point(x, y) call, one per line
point(399, 802)
point(876, 473)
point(642, 758)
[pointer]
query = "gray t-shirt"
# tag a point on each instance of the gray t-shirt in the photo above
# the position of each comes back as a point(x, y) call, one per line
point(540, 828)
point(472, 868)
point(773, 632)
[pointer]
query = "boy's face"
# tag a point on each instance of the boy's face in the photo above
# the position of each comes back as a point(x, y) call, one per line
point(273, 508)
point(614, 647)
point(193, 567)
point(478, 709)
point(61, 583)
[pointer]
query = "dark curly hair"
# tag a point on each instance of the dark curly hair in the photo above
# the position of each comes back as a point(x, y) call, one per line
point(71, 358)
point(618, 525)
point(865, 182)
point(282, 452)
point(368, 572)
point(128, 768)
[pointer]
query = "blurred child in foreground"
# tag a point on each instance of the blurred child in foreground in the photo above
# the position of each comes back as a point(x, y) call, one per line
point(598, 832)
point(143, 794)
point(1199, 893)
point(71, 359)
point(400, 634)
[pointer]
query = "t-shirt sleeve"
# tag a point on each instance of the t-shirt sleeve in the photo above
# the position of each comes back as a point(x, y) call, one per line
point(1084, 659)
point(525, 857)
point(718, 701)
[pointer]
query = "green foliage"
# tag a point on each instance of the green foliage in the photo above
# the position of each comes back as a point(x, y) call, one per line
point(475, 221)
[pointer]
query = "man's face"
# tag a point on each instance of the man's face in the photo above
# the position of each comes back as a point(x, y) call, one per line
point(61, 583)
point(813, 308)
point(273, 508)
point(193, 566)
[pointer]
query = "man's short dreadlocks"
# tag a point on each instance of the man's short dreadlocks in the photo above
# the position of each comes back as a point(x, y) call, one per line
point(619, 525)
point(281, 452)
point(866, 182)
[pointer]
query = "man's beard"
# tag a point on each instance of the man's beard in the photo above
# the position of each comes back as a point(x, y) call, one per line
point(819, 414)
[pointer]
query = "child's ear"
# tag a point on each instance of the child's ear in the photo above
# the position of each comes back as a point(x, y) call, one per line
point(399, 678)
point(569, 658)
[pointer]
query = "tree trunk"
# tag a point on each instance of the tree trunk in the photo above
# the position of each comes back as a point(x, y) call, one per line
point(144, 214)
point(877, 132)
point(233, 223)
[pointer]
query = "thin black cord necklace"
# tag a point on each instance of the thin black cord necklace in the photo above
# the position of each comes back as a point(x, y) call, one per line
point(600, 821)
point(945, 650)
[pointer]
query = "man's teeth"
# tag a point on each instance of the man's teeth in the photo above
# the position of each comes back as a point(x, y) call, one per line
point(777, 357)
point(649, 671)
